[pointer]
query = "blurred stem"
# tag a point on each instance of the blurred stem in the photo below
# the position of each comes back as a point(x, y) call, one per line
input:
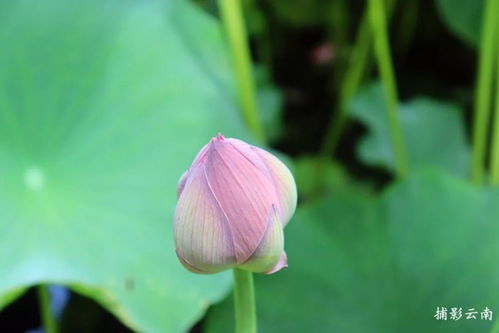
point(483, 95)
point(236, 32)
point(409, 13)
point(494, 161)
point(338, 33)
point(382, 51)
point(48, 319)
point(358, 65)
point(264, 44)
point(244, 301)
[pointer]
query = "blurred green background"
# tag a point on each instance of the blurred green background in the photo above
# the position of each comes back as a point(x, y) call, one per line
point(103, 105)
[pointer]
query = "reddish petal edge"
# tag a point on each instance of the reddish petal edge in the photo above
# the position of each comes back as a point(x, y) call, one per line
point(282, 263)
point(181, 183)
point(187, 265)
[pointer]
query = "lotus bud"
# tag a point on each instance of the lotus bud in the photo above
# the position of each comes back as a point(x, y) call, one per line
point(233, 204)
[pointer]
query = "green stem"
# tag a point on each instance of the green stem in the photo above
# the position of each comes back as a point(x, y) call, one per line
point(338, 32)
point(382, 50)
point(263, 41)
point(358, 65)
point(233, 20)
point(352, 78)
point(409, 13)
point(494, 161)
point(484, 90)
point(244, 301)
point(48, 319)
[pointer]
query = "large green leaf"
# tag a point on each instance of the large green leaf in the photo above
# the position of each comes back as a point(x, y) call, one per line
point(464, 18)
point(384, 264)
point(433, 132)
point(316, 177)
point(102, 106)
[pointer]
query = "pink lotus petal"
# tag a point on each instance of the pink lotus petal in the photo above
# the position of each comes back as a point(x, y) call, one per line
point(233, 203)
point(282, 263)
point(245, 194)
point(269, 251)
point(201, 229)
point(284, 184)
point(181, 183)
point(188, 265)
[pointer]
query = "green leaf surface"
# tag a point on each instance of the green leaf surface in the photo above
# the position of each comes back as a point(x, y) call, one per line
point(384, 264)
point(103, 105)
point(422, 122)
point(316, 177)
point(463, 17)
point(9, 296)
point(270, 100)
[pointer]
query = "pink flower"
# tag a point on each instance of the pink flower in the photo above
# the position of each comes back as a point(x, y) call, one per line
point(233, 204)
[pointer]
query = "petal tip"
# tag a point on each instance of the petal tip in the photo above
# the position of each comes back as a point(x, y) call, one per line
point(282, 263)
point(218, 138)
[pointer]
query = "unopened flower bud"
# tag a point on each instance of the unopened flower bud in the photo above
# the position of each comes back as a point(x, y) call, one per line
point(233, 204)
